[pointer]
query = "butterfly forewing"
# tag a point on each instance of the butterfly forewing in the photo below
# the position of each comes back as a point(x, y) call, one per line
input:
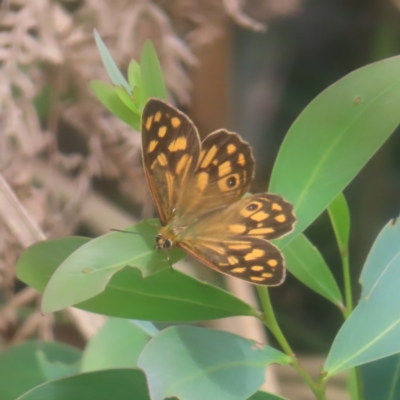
point(171, 148)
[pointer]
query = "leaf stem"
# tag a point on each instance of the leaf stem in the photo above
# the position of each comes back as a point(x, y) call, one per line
point(271, 323)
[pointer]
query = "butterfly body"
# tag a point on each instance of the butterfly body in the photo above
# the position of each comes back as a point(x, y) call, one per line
point(198, 190)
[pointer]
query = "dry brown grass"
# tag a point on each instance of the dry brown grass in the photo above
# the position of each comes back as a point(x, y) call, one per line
point(46, 187)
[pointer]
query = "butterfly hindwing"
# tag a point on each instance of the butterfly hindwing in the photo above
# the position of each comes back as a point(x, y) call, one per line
point(251, 259)
point(232, 240)
point(263, 215)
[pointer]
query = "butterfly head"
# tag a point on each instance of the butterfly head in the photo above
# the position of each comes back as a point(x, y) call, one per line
point(163, 243)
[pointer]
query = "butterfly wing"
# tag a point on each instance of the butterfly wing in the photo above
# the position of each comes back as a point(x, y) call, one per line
point(248, 258)
point(186, 183)
point(263, 216)
point(170, 150)
point(197, 190)
point(233, 240)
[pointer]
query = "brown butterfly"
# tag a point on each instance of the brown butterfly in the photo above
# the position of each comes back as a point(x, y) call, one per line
point(198, 188)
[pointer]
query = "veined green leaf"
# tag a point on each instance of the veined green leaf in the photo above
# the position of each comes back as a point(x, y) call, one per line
point(210, 364)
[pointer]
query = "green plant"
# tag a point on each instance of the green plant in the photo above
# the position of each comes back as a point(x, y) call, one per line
point(122, 276)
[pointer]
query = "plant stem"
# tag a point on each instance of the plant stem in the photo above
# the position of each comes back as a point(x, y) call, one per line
point(271, 323)
point(270, 320)
point(347, 282)
point(354, 384)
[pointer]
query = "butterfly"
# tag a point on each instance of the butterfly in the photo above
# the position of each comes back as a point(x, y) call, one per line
point(198, 190)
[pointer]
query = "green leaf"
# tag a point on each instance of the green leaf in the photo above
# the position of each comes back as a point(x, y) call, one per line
point(109, 97)
point(117, 344)
point(340, 218)
point(209, 364)
point(117, 384)
point(334, 137)
point(86, 272)
point(38, 262)
point(134, 77)
point(145, 326)
point(55, 369)
point(113, 72)
point(151, 73)
point(372, 330)
point(381, 379)
point(21, 370)
point(165, 296)
point(382, 256)
point(265, 396)
point(306, 263)
point(135, 80)
point(127, 100)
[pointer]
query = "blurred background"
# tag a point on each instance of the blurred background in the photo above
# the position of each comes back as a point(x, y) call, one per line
point(67, 166)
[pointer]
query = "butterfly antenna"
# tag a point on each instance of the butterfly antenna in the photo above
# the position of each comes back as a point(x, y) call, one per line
point(134, 233)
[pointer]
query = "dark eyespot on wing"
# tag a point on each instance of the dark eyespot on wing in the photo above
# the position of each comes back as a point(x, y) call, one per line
point(229, 162)
point(266, 215)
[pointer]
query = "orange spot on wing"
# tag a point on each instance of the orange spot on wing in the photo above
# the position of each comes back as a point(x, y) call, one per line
point(224, 169)
point(272, 263)
point(280, 218)
point(162, 159)
point(170, 184)
point(257, 279)
point(261, 231)
point(157, 117)
point(238, 270)
point(182, 163)
point(267, 275)
point(152, 146)
point(260, 216)
point(202, 180)
point(149, 122)
point(276, 206)
point(175, 122)
point(232, 260)
point(241, 160)
point(162, 130)
point(237, 228)
point(231, 148)
point(254, 254)
point(209, 157)
point(178, 144)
